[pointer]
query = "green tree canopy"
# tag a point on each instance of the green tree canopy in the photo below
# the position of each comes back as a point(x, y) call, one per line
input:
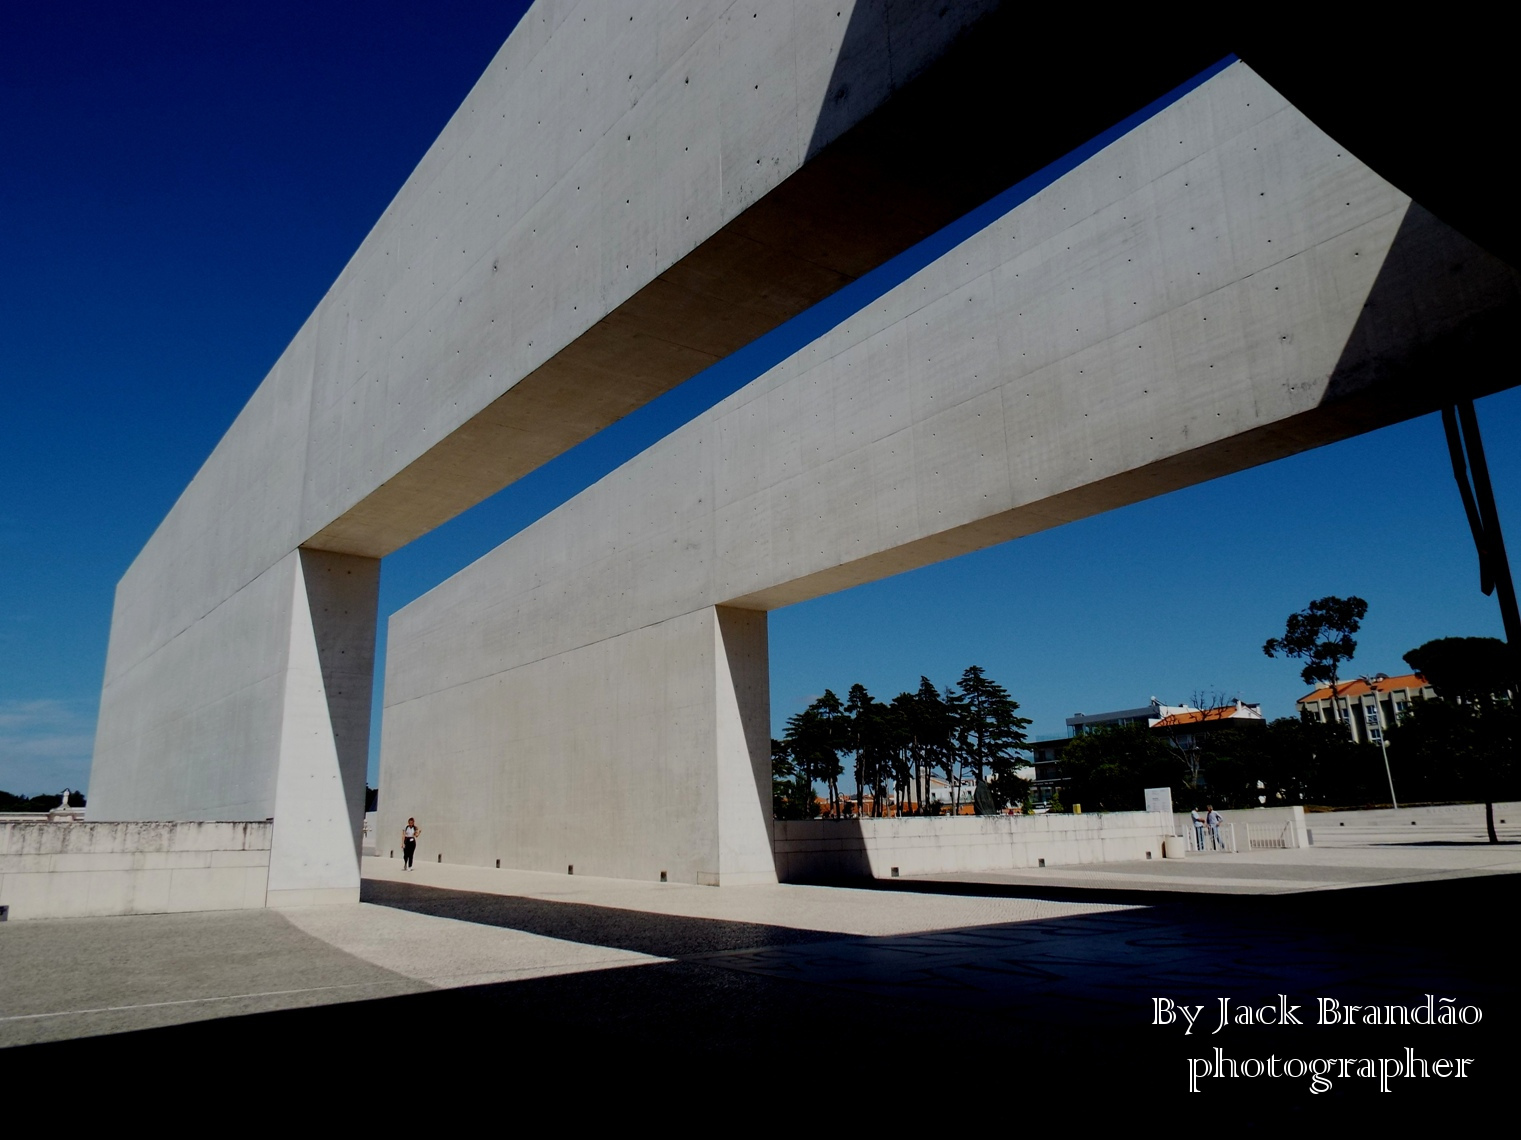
point(1470, 670)
point(791, 789)
point(1442, 750)
point(1320, 635)
point(990, 735)
point(815, 738)
point(875, 733)
point(1109, 768)
point(926, 725)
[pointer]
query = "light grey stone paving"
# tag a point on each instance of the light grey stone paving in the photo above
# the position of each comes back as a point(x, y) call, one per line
point(78, 977)
point(834, 910)
point(1272, 871)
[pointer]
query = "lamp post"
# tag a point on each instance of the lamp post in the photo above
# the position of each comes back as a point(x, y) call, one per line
point(1373, 720)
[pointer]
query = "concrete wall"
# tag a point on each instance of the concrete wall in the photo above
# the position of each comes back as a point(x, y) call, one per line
point(687, 791)
point(1220, 287)
point(73, 870)
point(258, 710)
point(1448, 822)
point(871, 848)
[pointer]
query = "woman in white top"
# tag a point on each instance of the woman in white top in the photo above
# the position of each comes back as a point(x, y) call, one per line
point(409, 836)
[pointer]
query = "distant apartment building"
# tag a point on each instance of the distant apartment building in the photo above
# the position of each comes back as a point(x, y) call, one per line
point(1184, 725)
point(1367, 709)
point(1188, 726)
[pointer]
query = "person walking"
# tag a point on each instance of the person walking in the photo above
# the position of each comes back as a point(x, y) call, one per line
point(409, 836)
point(1212, 818)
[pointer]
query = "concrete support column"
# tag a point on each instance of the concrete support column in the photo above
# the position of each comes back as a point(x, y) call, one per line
point(742, 748)
point(324, 730)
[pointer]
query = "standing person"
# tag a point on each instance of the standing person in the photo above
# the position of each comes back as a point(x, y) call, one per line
point(1198, 818)
point(409, 836)
point(1213, 819)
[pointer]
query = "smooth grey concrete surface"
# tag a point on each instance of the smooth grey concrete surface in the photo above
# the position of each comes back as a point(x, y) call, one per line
point(831, 910)
point(706, 982)
point(1221, 286)
point(67, 869)
point(1443, 823)
point(74, 977)
point(282, 671)
point(78, 977)
point(1374, 861)
point(602, 218)
point(809, 850)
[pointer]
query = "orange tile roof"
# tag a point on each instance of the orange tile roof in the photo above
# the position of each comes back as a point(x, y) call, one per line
point(1197, 716)
point(1357, 687)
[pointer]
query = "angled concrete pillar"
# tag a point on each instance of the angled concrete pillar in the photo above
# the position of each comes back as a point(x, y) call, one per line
point(324, 730)
point(270, 720)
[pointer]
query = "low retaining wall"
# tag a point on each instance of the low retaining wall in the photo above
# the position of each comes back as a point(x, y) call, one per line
point(74, 870)
point(1352, 826)
point(871, 848)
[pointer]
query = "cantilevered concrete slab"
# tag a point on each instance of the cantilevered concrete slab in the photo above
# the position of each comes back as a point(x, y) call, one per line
point(1222, 286)
point(624, 198)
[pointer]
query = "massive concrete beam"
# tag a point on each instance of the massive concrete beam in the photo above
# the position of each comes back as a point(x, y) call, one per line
point(625, 197)
point(1222, 286)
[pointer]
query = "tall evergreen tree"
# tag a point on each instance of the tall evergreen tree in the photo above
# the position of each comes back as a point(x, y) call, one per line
point(924, 722)
point(952, 760)
point(815, 738)
point(990, 735)
point(871, 739)
point(791, 789)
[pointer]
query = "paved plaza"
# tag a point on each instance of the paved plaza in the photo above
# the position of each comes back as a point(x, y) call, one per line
point(1013, 977)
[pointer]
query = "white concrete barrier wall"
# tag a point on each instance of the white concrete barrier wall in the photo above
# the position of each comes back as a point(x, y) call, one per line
point(827, 849)
point(75, 870)
point(1333, 828)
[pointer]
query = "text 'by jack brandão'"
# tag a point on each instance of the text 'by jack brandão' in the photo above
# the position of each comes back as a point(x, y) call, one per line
point(1229, 1016)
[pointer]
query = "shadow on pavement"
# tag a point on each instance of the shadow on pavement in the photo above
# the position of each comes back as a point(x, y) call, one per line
point(1052, 1017)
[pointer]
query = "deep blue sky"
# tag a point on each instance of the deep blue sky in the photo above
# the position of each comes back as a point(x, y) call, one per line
point(180, 183)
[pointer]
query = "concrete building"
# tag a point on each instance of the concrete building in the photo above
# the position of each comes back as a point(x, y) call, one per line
point(1214, 283)
point(1183, 725)
point(1367, 705)
point(1186, 727)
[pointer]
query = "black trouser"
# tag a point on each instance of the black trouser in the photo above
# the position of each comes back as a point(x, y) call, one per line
point(407, 847)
